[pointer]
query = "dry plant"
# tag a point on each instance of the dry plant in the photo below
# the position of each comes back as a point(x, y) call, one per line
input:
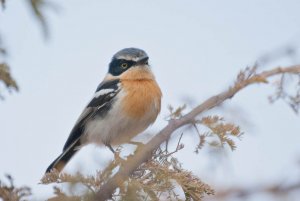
point(292, 98)
point(156, 179)
point(9, 192)
point(5, 74)
point(6, 78)
point(153, 173)
point(222, 133)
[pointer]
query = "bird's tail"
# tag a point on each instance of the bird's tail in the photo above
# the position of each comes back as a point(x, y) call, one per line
point(61, 161)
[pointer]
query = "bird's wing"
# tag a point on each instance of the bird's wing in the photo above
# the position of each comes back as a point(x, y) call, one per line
point(99, 105)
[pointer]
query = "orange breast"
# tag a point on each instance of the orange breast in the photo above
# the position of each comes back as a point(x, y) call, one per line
point(143, 96)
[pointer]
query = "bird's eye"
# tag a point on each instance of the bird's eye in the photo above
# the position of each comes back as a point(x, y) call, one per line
point(124, 65)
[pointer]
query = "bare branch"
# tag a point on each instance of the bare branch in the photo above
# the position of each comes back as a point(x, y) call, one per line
point(240, 192)
point(245, 78)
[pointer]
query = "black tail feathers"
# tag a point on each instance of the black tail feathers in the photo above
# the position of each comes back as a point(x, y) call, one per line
point(60, 162)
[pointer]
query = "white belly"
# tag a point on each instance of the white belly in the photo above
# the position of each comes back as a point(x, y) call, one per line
point(115, 127)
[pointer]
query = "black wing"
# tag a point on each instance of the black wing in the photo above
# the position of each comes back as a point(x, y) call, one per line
point(99, 106)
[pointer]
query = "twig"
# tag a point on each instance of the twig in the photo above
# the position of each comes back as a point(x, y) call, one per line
point(178, 147)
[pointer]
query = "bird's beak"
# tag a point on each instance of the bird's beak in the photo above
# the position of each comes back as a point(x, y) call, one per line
point(143, 61)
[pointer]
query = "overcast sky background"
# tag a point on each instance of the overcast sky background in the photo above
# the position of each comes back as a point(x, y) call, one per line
point(196, 49)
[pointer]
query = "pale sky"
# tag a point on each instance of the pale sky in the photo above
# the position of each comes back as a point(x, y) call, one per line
point(196, 49)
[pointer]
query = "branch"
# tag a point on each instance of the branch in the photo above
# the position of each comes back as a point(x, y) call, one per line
point(144, 153)
point(239, 192)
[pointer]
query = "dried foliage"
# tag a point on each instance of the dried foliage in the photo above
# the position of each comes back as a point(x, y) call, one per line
point(6, 78)
point(92, 183)
point(248, 76)
point(220, 133)
point(217, 133)
point(175, 113)
point(5, 75)
point(160, 178)
point(9, 192)
point(291, 97)
point(287, 87)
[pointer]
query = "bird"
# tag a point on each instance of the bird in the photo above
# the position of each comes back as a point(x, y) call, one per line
point(125, 103)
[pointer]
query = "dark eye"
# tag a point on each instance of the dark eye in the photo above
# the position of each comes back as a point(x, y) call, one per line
point(124, 65)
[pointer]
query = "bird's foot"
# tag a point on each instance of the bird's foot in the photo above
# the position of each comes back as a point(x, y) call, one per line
point(116, 152)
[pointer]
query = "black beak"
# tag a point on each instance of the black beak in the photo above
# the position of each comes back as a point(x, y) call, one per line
point(143, 61)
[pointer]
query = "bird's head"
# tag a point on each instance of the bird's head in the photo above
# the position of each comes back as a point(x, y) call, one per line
point(128, 59)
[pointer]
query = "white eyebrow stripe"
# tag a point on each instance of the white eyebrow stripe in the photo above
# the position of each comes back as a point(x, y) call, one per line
point(128, 58)
point(103, 92)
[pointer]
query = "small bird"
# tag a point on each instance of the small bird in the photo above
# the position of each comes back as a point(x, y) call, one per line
point(125, 103)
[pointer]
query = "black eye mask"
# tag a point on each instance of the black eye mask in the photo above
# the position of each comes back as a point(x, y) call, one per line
point(116, 68)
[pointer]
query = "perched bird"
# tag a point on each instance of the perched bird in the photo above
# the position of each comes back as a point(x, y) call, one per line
point(125, 103)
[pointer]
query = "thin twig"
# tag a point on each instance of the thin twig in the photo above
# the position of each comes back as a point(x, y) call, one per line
point(178, 147)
